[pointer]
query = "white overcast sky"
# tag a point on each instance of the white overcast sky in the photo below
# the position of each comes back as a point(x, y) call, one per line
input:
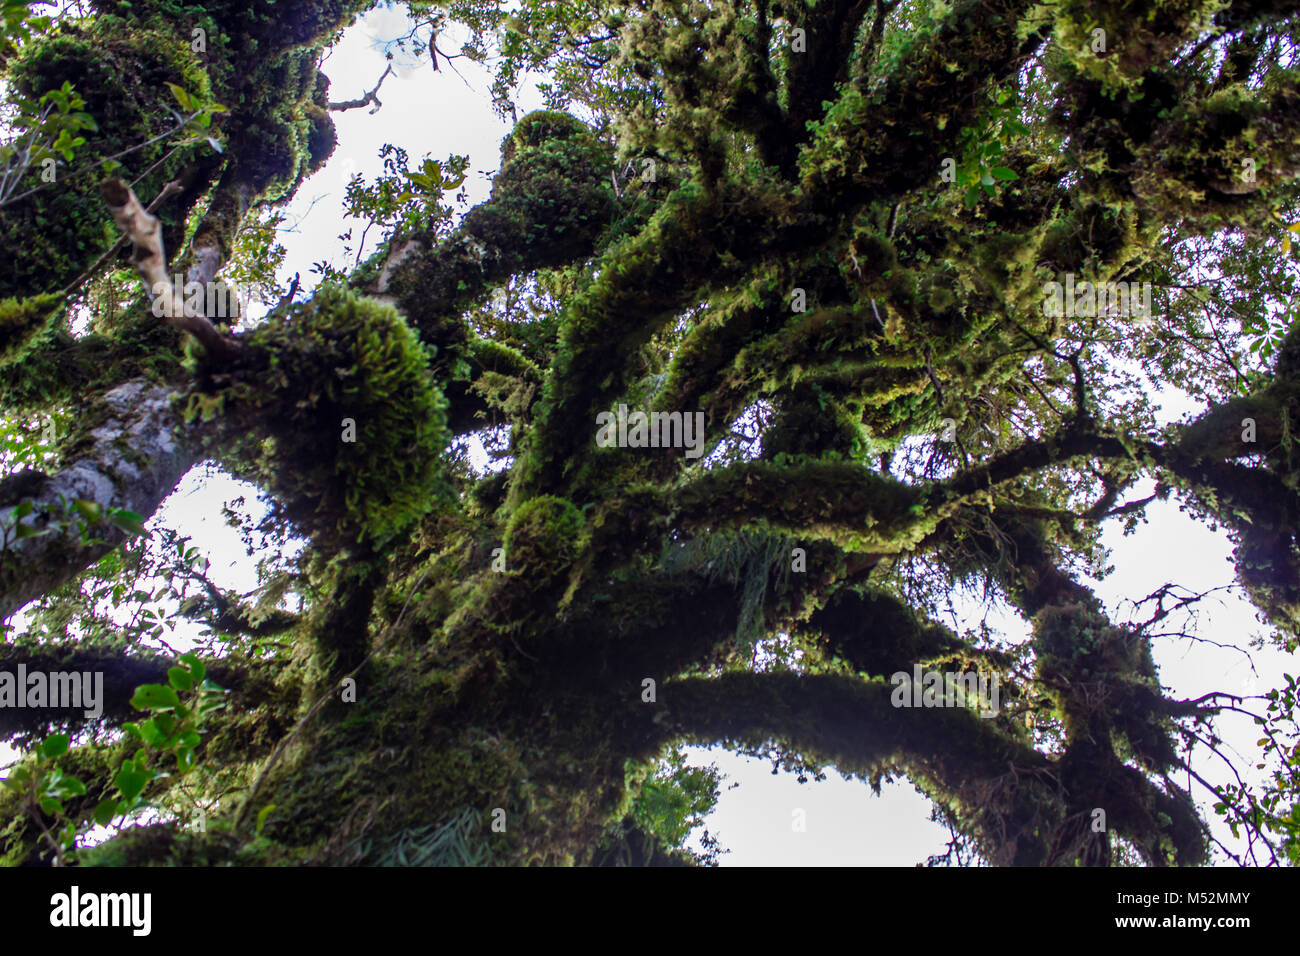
point(438, 114)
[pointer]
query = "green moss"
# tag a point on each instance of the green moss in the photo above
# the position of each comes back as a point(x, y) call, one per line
point(55, 367)
point(353, 422)
point(838, 501)
point(171, 844)
point(22, 321)
point(322, 138)
point(811, 423)
point(285, 134)
point(548, 204)
point(495, 357)
point(122, 71)
point(543, 536)
point(547, 128)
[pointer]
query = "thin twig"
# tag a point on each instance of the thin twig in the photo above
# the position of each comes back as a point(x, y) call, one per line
point(106, 159)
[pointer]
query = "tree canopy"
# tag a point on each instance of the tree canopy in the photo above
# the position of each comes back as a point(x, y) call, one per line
point(784, 321)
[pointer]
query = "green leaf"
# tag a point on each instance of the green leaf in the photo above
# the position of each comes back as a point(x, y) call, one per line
point(105, 810)
point(51, 805)
point(69, 787)
point(92, 511)
point(55, 745)
point(1003, 173)
point(179, 678)
point(154, 697)
point(128, 521)
point(151, 734)
point(182, 97)
point(197, 669)
point(18, 778)
point(263, 814)
point(131, 781)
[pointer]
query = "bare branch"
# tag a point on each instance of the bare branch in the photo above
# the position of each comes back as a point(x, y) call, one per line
point(371, 97)
point(144, 230)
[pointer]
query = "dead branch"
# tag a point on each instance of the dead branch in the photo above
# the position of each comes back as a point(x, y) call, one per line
point(144, 230)
point(371, 97)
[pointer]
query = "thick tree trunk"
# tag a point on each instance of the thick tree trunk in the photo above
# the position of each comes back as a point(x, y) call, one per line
point(132, 451)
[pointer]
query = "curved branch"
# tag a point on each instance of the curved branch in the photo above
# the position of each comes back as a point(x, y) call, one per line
point(1010, 795)
point(371, 97)
point(145, 232)
point(853, 724)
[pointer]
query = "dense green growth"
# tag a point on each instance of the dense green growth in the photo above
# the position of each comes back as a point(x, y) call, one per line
point(827, 231)
point(334, 409)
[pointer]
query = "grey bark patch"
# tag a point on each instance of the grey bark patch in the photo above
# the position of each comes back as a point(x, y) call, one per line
point(136, 456)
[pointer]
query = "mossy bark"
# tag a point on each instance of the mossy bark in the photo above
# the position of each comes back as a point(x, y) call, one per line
point(487, 662)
